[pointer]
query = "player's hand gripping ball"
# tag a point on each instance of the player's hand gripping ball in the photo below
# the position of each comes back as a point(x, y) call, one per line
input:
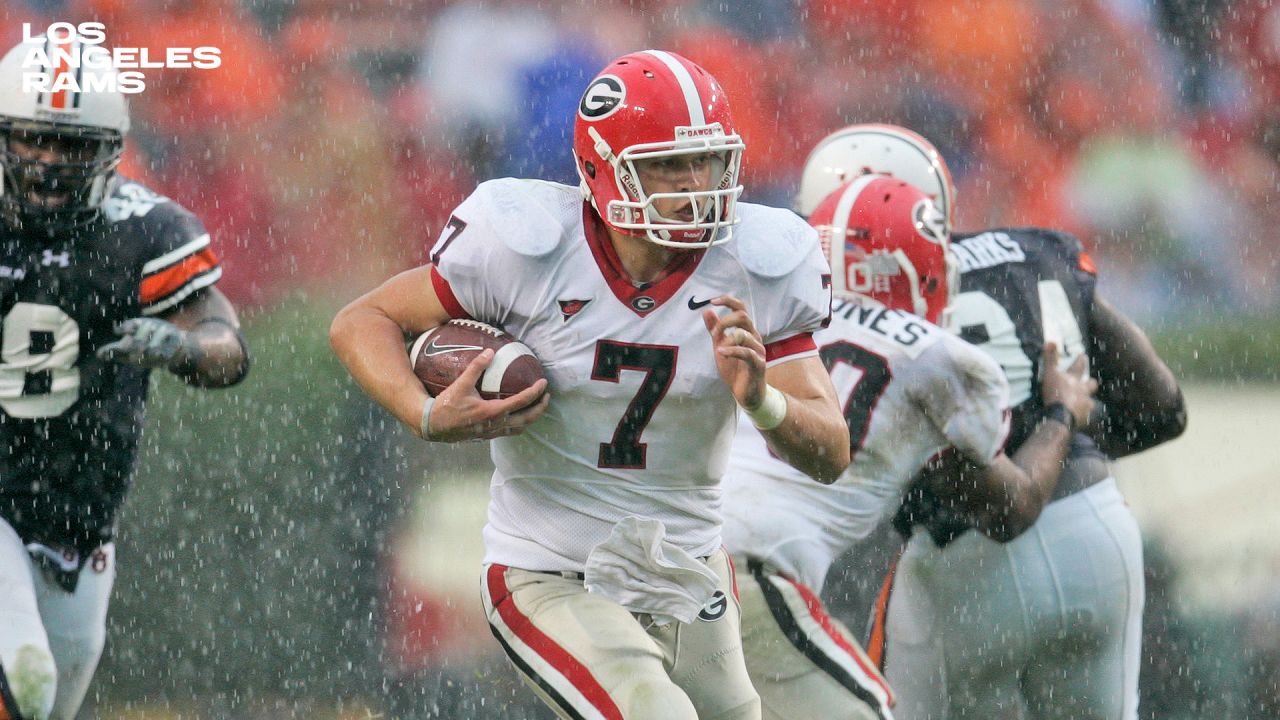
point(441, 354)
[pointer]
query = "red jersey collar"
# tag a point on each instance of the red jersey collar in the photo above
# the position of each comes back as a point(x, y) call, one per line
point(648, 297)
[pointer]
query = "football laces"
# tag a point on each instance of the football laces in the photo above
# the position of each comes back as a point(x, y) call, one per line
point(483, 327)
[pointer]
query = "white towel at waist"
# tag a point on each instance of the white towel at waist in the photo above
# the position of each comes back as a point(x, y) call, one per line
point(638, 569)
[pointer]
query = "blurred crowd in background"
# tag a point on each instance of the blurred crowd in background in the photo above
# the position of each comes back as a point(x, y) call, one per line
point(336, 137)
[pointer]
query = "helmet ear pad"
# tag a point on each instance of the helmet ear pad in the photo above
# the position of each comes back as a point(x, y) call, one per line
point(887, 241)
point(644, 108)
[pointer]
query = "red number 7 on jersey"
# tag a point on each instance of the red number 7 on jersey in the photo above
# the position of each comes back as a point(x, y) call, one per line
point(861, 398)
point(658, 363)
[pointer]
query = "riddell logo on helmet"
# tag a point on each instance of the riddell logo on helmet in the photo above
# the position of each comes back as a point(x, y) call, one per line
point(55, 63)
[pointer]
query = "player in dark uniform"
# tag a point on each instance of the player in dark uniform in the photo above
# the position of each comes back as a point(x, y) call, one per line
point(1046, 624)
point(101, 281)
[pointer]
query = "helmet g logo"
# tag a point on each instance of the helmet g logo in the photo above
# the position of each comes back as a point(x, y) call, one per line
point(602, 98)
point(929, 221)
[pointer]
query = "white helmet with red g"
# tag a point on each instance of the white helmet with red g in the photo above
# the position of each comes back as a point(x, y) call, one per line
point(886, 240)
point(658, 106)
point(875, 148)
point(82, 112)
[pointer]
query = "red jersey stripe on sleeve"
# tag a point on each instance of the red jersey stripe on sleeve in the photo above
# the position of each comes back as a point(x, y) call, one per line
point(788, 348)
point(444, 293)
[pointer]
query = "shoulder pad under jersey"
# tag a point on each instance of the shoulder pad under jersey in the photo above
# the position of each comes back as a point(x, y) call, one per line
point(1058, 239)
point(772, 242)
point(128, 200)
point(168, 241)
point(1061, 245)
point(532, 217)
point(974, 365)
point(155, 225)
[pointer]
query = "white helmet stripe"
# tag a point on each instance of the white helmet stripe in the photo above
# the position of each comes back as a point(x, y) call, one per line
point(696, 115)
point(913, 278)
point(841, 222)
point(936, 186)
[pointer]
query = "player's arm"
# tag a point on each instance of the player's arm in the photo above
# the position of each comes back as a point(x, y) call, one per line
point(199, 341)
point(368, 336)
point(215, 354)
point(1003, 498)
point(1141, 404)
point(793, 403)
point(813, 437)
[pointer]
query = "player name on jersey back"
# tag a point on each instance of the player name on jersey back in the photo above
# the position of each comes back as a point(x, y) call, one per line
point(904, 329)
point(985, 250)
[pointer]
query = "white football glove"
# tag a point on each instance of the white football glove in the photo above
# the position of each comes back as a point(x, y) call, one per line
point(147, 342)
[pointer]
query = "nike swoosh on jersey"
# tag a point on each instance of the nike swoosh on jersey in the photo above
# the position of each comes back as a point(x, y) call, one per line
point(698, 304)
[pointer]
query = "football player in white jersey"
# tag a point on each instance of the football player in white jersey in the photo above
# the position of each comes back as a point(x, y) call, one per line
point(1046, 625)
point(911, 390)
point(659, 305)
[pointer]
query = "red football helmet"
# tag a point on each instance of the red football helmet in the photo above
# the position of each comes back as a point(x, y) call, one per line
point(886, 240)
point(656, 105)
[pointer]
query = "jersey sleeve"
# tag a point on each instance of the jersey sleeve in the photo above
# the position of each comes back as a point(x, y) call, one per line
point(179, 259)
point(475, 271)
point(799, 307)
point(969, 401)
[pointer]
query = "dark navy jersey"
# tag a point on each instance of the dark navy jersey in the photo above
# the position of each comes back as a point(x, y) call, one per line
point(70, 422)
point(1021, 288)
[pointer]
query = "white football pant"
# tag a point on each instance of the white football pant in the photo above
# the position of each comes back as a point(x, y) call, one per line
point(1047, 626)
point(587, 657)
point(803, 662)
point(43, 627)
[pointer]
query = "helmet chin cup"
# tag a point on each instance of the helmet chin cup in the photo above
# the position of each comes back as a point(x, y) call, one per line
point(712, 222)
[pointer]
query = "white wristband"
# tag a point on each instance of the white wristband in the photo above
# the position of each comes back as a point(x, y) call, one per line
point(772, 410)
point(424, 425)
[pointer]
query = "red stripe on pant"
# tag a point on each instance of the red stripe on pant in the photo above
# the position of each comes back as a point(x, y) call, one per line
point(820, 616)
point(733, 574)
point(557, 657)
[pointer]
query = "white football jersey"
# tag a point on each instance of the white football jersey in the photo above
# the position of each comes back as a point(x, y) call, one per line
point(909, 390)
point(640, 422)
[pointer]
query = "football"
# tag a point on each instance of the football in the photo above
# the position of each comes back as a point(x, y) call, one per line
point(441, 354)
